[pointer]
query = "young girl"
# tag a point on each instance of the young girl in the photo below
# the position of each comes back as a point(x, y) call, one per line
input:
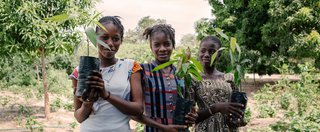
point(117, 86)
point(160, 87)
point(213, 94)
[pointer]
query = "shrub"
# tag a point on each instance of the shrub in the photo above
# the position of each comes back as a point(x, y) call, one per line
point(56, 104)
point(266, 111)
point(299, 101)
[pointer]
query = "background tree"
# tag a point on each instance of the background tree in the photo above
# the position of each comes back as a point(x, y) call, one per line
point(135, 36)
point(24, 30)
point(189, 40)
point(273, 32)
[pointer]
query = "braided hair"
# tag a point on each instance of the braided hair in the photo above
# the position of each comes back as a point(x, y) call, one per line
point(213, 39)
point(114, 20)
point(164, 28)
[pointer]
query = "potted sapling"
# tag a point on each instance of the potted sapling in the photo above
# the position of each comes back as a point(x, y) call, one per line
point(188, 69)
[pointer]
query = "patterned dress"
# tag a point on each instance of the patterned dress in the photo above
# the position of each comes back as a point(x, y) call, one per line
point(207, 93)
point(160, 93)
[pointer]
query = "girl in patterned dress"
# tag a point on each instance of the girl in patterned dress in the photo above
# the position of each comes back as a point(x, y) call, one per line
point(160, 87)
point(213, 94)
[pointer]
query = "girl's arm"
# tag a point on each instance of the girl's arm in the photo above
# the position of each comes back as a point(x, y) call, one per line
point(135, 107)
point(82, 110)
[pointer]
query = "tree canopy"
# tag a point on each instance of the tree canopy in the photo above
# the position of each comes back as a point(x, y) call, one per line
point(135, 35)
point(272, 32)
point(25, 30)
point(27, 33)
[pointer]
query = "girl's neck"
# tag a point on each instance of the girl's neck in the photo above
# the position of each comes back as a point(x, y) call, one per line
point(159, 63)
point(108, 62)
point(209, 72)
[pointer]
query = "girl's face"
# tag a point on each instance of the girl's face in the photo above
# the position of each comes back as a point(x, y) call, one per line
point(112, 38)
point(161, 47)
point(207, 49)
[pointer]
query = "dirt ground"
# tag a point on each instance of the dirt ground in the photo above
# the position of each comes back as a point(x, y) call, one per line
point(13, 107)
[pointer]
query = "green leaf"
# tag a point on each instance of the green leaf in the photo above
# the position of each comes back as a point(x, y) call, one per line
point(238, 48)
point(179, 55)
point(195, 73)
point(185, 57)
point(245, 61)
point(93, 18)
point(231, 57)
point(239, 70)
point(179, 65)
point(180, 91)
point(103, 44)
point(236, 77)
point(229, 68)
point(159, 67)
point(180, 74)
point(59, 18)
point(100, 25)
point(214, 56)
point(233, 43)
point(91, 35)
point(197, 64)
point(187, 81)
point(219, 31)
point(185, 67)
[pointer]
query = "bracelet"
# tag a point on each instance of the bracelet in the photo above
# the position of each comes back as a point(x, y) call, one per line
point(109, 94)
point(210, 112)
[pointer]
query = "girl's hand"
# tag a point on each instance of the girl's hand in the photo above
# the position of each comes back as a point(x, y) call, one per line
point(228, 108)
point(90, 95)
point(191, 117)
point(96, 83)
point(173, 128)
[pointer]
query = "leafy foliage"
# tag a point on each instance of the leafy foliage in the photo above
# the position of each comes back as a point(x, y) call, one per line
point(273, 32)
point(56, 104)
point(298, 101)
point(187, 68)
point(17, 71)
point(140, 52)
point(33, 125)
point(189, 40)
point(237, 63)
point(25, 30)
point(135, 36)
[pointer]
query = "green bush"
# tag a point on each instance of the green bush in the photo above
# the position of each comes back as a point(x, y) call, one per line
point(62, 62)
point(25, 111)
point(266, 111)
point(300, 101)
point(285, 101)
point(4, 101)
point(248, 115)
point(73, 125)
point(68, 106)
point(17, 71)
point(139, 127)
point(59, 82)
point(33, 125)
point(140, 52)
point(56, 104)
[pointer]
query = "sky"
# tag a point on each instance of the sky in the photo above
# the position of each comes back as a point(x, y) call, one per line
point(181, 14)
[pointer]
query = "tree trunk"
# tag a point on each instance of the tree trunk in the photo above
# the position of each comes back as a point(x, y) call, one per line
point(46, 95)
point(38, 76)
